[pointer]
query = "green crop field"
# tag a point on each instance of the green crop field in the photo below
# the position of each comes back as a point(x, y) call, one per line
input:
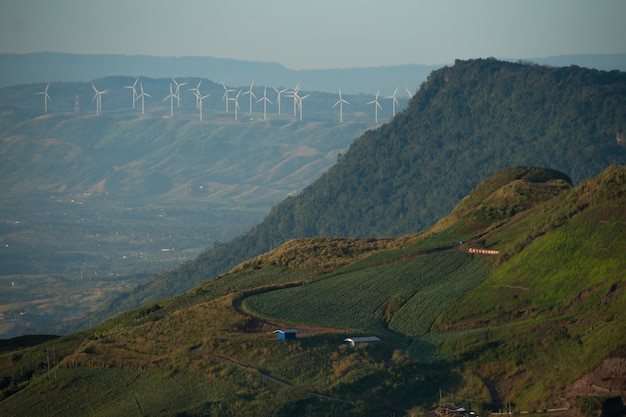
point(405, 302)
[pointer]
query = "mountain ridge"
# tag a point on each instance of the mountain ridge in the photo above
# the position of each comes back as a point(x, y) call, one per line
point(56, 66)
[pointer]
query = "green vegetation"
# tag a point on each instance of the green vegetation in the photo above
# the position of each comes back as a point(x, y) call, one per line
point(532, 323)
point(124, 171)
point(466, 123)
point(520, 327)
point(402, 298)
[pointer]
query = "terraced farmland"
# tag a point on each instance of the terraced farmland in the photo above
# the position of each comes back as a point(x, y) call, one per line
point(395, 301)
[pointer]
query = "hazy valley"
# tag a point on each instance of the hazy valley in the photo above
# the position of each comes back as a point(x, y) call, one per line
point(94, 204)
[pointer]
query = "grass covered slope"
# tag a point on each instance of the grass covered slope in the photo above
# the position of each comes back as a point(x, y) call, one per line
point(555, 311)
point(524, 326)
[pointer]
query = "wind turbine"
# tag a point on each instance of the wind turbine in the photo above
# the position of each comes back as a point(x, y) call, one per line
point(251, 94)
point(98, 98)
point(278, 94)
point(171, 96)
point(394, 101)
point(265, 100)
point(236, 100)
point(376, 106)
point(141, 96)
point(296, 98)
point(300, 100)
point(340, 102)
point(225, 96)
point(133, 87)
point(46, 97)
point(196, 92)
point(177, 92)
point(408, 92)
point(200, 100)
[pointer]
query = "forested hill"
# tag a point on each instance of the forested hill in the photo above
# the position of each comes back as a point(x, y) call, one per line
point(465, 123)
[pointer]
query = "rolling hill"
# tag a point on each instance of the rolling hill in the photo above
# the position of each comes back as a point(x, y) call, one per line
point(465, 123)
point(535, 324)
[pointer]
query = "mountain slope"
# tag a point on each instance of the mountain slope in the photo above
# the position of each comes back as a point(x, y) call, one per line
point(525, 326)
point(466, 123)
point(561, 295)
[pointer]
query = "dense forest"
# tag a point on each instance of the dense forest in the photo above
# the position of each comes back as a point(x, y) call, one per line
point(465, 123)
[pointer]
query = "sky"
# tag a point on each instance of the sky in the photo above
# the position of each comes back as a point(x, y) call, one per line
point(312, 34)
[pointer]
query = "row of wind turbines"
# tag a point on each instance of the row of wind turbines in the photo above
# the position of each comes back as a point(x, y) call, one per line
point(175, 92)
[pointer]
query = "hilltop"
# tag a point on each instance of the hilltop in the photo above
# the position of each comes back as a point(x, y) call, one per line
point(537, 324)
point(465, 123)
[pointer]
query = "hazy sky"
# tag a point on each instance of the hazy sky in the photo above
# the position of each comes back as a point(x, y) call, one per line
point(304, 34)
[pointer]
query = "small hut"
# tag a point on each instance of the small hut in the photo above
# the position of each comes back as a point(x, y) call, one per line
point(353, 341)
point(286, 334)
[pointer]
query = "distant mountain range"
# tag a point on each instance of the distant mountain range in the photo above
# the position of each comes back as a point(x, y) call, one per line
point(63, 67)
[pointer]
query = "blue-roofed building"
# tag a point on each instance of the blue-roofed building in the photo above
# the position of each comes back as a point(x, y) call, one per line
point(286, 334)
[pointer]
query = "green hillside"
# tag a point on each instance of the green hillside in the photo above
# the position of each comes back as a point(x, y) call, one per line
point(521, 327)
point(465, 123)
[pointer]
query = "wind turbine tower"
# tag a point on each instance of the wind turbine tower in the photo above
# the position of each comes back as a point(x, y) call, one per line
point(251, 94)
point(46, 97)
point(141, 96)
point(300, 100)
point(394, 101)
point(225, 97)
point(278, 94)
point(98, 98)
point(376, 106)
point(265, 100)
point(201, 100)
point(236, 100)
point(340, 102)
point(296, 98)
point(177, 93)
point(171, 96)
point(133, 87)
point(196, 92)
